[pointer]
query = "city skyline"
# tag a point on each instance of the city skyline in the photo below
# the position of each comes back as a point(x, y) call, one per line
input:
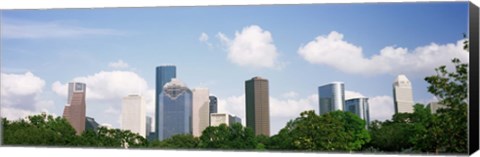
point(116, 57)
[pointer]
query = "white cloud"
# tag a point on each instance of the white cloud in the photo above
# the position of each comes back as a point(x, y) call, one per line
point(20, 95)
point(252, 47)
point(352, 94)
point(118, 64)
point(332, 50)
point(107, 85)
point(22, 29)
point(105, 91)
point(381, 108)
point(203, 37)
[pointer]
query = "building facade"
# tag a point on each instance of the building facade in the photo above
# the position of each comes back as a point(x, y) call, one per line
point(133, 114)
point(91, 124)
point(402, 95)
point(223, 118)
point(164, 74)
point(75, 109)
point(175, 110)
point(201, 109)
point(360, 107)
point(257, 105)
point(331, 97)
point(434, 106)
point(213, 104)
point(148, 126)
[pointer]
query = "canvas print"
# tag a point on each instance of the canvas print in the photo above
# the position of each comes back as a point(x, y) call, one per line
point(341, 78)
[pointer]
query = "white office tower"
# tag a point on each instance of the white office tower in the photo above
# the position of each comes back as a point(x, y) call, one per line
point(201, 110)
point(133, 114)
point(223, 118)
point(402, 95)
point(331, 97)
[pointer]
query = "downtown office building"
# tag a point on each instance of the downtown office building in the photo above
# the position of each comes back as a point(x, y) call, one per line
point(402, 95)
point(201, 109)
point(257, 105)
point(331, 97)
point(164, 74)
point(359, 107)
point(175, 110)
point(133, 114)
point(75, 108)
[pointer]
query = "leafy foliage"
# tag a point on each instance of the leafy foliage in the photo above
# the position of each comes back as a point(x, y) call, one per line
point(234, 136)
point(334, 131)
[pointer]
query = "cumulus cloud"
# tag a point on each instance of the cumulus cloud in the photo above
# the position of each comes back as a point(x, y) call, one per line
point(23, 29)
point(381, 108)
point(332, 50)
point(105, 91)
point(203, 37)
point(251, 47)
point(106, 85)
point(118, 64)
point(20, 95)
point(352, 94)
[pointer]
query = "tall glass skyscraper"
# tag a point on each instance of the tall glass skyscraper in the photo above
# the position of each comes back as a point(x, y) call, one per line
point(175, 110)
point(402, 95)
point(331, 97)
point(360, 107)
point(164, 74)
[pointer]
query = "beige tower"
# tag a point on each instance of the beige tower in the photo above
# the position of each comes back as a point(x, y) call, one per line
point(200, 110)
point(133, 114)
point(74, 111)
point(402, 95)
point(257, 105)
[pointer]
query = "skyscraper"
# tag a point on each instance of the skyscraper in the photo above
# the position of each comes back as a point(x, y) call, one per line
point(175, 110)
point(74, 111)
point(164, 74)
point(201, 109)
point(257, 105)
point(360, 107)
point(148, 126)
point(331, 97)
point(213, 104)
point(133, 114)
point(402, 95)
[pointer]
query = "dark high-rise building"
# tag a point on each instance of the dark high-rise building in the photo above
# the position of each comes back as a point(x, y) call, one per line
point(74, 111)
point(257, 105)
point(175, 110)
point(213, 104)
point(91, 124)
point(164, 74)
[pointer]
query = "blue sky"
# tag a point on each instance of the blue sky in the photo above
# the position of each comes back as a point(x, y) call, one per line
point(296, 47)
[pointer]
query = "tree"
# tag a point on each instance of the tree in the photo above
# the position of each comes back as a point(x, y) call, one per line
point(334, 131)
point(450, 124)
point(40, 129)
point(180, 141)
point(234, 136)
